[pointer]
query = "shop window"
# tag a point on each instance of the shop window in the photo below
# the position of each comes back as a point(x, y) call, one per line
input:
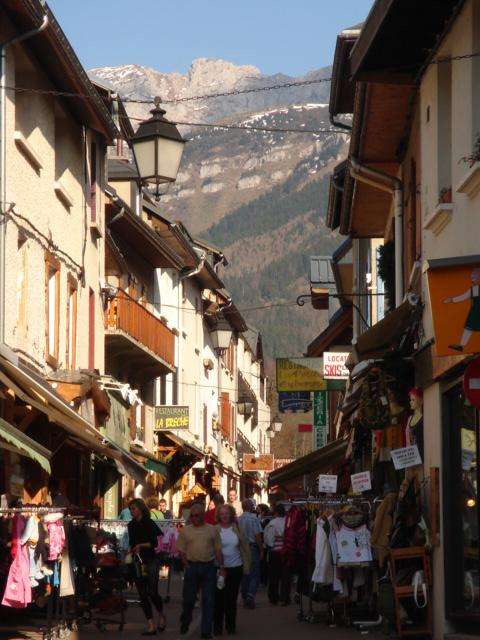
point(461, 508)
point(52, 308)
point(71, 354)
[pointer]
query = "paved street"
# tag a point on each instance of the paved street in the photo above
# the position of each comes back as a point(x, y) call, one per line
point(277, 622)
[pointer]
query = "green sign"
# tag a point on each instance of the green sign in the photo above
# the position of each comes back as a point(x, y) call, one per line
point(169, 418)
point(320, 415)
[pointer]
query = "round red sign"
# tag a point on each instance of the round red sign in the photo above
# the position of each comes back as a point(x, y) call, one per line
point(471, 383)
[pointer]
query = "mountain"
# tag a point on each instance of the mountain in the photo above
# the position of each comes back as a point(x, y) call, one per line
point(259, 195)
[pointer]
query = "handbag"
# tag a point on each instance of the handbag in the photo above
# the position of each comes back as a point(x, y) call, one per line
point(418, 583)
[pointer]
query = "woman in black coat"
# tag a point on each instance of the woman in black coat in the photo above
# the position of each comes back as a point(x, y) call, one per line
point(143, 534)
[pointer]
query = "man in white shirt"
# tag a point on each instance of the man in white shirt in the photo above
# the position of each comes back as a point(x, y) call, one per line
point(278, 575)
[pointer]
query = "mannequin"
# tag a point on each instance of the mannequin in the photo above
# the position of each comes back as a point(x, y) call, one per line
point(414, 430)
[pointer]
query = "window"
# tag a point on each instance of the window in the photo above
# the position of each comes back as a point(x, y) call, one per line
point(71, 355)
point(52, 308)
point(228, 357)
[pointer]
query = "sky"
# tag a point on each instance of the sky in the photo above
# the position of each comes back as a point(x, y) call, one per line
point(287, 36)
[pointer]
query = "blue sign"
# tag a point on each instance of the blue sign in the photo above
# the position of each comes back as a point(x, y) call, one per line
point(294, 401)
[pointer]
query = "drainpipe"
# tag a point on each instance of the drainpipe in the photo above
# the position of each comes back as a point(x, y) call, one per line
point(3, 158)
point(394, 186)
point(196, 270)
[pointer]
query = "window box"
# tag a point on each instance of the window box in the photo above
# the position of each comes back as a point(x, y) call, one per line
point(439, 219)
point(470, 183)
point(27, 151)
point(63, 195)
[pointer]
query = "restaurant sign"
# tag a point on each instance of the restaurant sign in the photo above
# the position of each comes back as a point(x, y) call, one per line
point(170, 417)
point(300, 374)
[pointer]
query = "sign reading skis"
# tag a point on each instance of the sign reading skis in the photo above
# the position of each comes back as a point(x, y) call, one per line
point(334, 365)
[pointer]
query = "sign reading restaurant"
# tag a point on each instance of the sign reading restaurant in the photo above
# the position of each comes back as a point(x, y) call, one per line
point(169, 417)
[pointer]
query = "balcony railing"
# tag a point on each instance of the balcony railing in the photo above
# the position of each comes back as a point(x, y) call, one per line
point(125, 315)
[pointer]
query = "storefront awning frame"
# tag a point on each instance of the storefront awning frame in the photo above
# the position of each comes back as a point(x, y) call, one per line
point(24, 445)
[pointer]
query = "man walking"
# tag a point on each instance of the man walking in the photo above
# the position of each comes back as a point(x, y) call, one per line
point(199, 546)
point(251, 529)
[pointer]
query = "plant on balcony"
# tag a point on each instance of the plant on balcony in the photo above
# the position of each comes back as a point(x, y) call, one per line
point(475, 155)
point(445, 196)
point(386, 271)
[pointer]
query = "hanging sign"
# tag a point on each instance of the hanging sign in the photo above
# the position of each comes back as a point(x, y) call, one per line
point(168, 418)
point(294, 401)
point(319, 419)
point(471, 383)
point(262, 462)
point(305, 428)
point(361, 482)
point(300, 374)
point(455, 301)
point(467, 459)
point(327, 483)
point(406, 457)
point(334, 365)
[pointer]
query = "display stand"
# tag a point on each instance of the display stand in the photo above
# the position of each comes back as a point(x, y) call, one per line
point(406, 592)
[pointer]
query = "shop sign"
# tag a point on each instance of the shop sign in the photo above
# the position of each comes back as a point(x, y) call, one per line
point(327, 483)
point(168, 418)
point(471, 383)
point(305, 428)
point(262, 462)
point(406, 457)
point(294, 401)
point(361, 482)
point(300, 374)
point(334, 365)
point(455, 301)
point(467, 459)
point(320, 419)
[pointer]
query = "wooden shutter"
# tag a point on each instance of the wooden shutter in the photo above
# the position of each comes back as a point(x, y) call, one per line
point(91, 329)
point(225, 416)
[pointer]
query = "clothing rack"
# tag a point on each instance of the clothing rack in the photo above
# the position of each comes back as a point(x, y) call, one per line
point(31, 510)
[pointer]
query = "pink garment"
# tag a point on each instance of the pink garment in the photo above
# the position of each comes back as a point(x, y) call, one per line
point(56, 535)
point(18, 592)
point(167, 543)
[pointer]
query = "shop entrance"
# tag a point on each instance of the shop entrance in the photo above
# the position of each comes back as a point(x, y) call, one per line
point(461, 509)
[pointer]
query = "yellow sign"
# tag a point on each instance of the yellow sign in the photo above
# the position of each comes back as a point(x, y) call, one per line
point(300, 374)
point(171, 417)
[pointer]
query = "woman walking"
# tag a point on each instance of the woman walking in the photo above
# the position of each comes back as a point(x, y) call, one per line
point(235, 563)
point(143, 534)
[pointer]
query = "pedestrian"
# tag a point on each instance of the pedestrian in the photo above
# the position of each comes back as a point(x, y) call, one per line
point(143, 538)
point(162, 505)
point(235, 502)
point(216, 502)
point(251, 529)
point(125, 514)
point(235, 564)
point(199, 547)
point(265, 516)
point(279, 575)
point(153, 504)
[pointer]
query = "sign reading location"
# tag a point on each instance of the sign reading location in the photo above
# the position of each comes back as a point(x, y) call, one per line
point(334, 365)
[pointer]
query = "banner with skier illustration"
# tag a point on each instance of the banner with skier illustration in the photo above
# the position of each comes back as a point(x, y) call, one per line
point(454, 287)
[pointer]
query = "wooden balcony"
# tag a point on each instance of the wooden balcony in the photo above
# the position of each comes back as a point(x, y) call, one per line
point(137, 340)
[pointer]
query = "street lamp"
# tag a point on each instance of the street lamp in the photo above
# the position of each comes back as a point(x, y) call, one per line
point(157, 146)
point(221, 334)
point(277, 426)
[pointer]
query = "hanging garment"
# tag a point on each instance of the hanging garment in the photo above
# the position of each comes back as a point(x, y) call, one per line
point(18, 591)
point(382, 528)
point(323, 572)
point(56, 535)
point(353, 545)
point(332, 540)
point(295, 538)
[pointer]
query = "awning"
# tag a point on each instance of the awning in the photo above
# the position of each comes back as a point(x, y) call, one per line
point(390, 335)
point(319, 461)
point(181, 459)
point(152, 462)
point(35, 391)
point(25, 445)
